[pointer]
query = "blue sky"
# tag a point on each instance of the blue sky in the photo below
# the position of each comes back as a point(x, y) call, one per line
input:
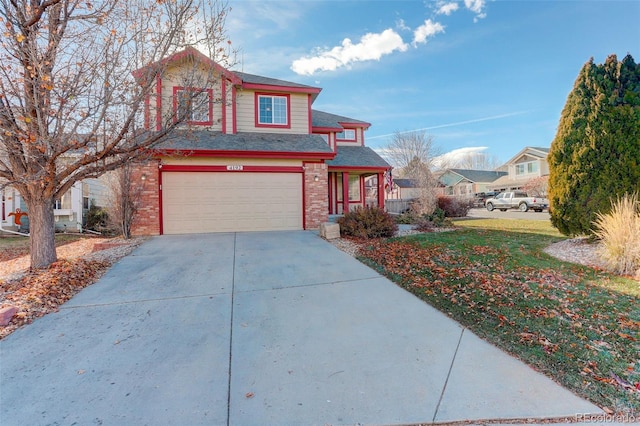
point(477, 75)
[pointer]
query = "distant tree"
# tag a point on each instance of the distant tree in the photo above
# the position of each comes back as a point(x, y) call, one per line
point(476, 161)
point(595, 156)
point(537, 187)
point(414, 153)
point(70, 107)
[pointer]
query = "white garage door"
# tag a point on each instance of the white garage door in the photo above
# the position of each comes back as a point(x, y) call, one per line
point(198, 202)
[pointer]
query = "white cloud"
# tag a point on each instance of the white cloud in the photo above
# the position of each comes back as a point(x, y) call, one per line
point(477, 7)
point(400, 24)
point(447, 8)
point(454, 157)
point(372, 46)
point(426, 30)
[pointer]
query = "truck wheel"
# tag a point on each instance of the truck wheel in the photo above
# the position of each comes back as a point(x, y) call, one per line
point(523, 207)
point(490, 207)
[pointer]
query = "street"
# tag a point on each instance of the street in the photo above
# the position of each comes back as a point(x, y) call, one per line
point(509, 214)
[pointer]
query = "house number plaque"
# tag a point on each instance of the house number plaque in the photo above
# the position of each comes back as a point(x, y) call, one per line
point(234, 168)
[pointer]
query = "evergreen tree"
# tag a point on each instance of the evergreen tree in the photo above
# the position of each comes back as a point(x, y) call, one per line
point(595, 156)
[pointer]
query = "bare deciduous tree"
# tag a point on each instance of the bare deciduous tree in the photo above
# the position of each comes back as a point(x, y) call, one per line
point(413, 153)
point(71, 105)
point(477, 161)
point(124, 199)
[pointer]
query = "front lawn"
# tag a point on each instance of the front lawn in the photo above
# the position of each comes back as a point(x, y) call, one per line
point(13, 246)
point(577, 325)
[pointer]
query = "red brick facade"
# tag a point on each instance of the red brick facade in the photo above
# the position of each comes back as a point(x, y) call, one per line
point(147, 218)
point(316, 194)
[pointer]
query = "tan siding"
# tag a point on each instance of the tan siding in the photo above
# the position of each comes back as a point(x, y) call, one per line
point(185, 75)
point(299, 118)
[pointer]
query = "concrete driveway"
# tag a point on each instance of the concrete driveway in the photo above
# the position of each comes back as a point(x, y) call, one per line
point(259, 329)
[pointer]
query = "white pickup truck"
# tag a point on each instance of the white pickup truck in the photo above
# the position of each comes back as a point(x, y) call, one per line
point(516, 200)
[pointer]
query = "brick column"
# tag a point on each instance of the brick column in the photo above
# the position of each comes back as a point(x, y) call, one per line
point(146, 181)
point(316, 194)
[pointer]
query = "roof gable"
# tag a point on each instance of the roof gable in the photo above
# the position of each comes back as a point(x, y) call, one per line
point(534, 152)
point(189, 53)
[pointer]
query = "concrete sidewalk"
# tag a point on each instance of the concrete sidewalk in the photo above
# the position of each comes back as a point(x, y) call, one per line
point(259, 329)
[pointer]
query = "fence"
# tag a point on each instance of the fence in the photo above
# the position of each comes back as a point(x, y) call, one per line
point(396, 206)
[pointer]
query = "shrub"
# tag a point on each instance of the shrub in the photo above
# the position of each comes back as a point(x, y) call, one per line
point(97, 218)
point(455, 206)
point(619, 231)
point(368, 222)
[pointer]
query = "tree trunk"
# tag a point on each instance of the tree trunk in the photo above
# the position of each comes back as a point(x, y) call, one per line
point(42, 232)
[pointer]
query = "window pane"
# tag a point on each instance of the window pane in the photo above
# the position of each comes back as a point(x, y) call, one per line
point(193, 105)
point(265, 110)
point(272, 110)
point(280, 110)
point(354, 188)
point(347, 134)
point(200, 107)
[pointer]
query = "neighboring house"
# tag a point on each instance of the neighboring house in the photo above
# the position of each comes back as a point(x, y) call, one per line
point(70, 211)
point(403, 189)
point(253, 155)
point(528, 164)
point(464, 182)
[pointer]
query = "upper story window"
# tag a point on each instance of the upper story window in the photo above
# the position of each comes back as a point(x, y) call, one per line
point(193, 105)
point(346, 135)
point(272, 110)
point(527, 168)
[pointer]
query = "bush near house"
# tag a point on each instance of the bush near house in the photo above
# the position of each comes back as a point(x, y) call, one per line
point(368, 222)
point(97, 218)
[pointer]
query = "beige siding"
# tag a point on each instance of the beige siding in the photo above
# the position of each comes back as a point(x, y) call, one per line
point(185, 75)
point(246, 112)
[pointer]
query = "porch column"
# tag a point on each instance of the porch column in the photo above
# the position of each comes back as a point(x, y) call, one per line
point(381, 190)
point(345, 192)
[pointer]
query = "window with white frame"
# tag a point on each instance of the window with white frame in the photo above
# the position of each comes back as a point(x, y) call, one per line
point(346, 135)
point(527, 168)
point(194, 105)
point(273, 110)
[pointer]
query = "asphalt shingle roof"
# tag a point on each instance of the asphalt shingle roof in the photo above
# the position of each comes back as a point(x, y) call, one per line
point(357, 156)
point(204, 140)
point(406, 183)
point(258, 79)
point(479, 175)
point(325, 119)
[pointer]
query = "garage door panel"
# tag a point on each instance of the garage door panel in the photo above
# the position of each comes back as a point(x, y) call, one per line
point(227, 202)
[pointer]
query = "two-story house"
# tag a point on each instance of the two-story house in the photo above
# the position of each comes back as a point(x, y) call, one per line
point(253, 154)
point(528, 164)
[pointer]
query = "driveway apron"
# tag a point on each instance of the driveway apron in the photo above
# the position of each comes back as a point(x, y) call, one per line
point(277, 328)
